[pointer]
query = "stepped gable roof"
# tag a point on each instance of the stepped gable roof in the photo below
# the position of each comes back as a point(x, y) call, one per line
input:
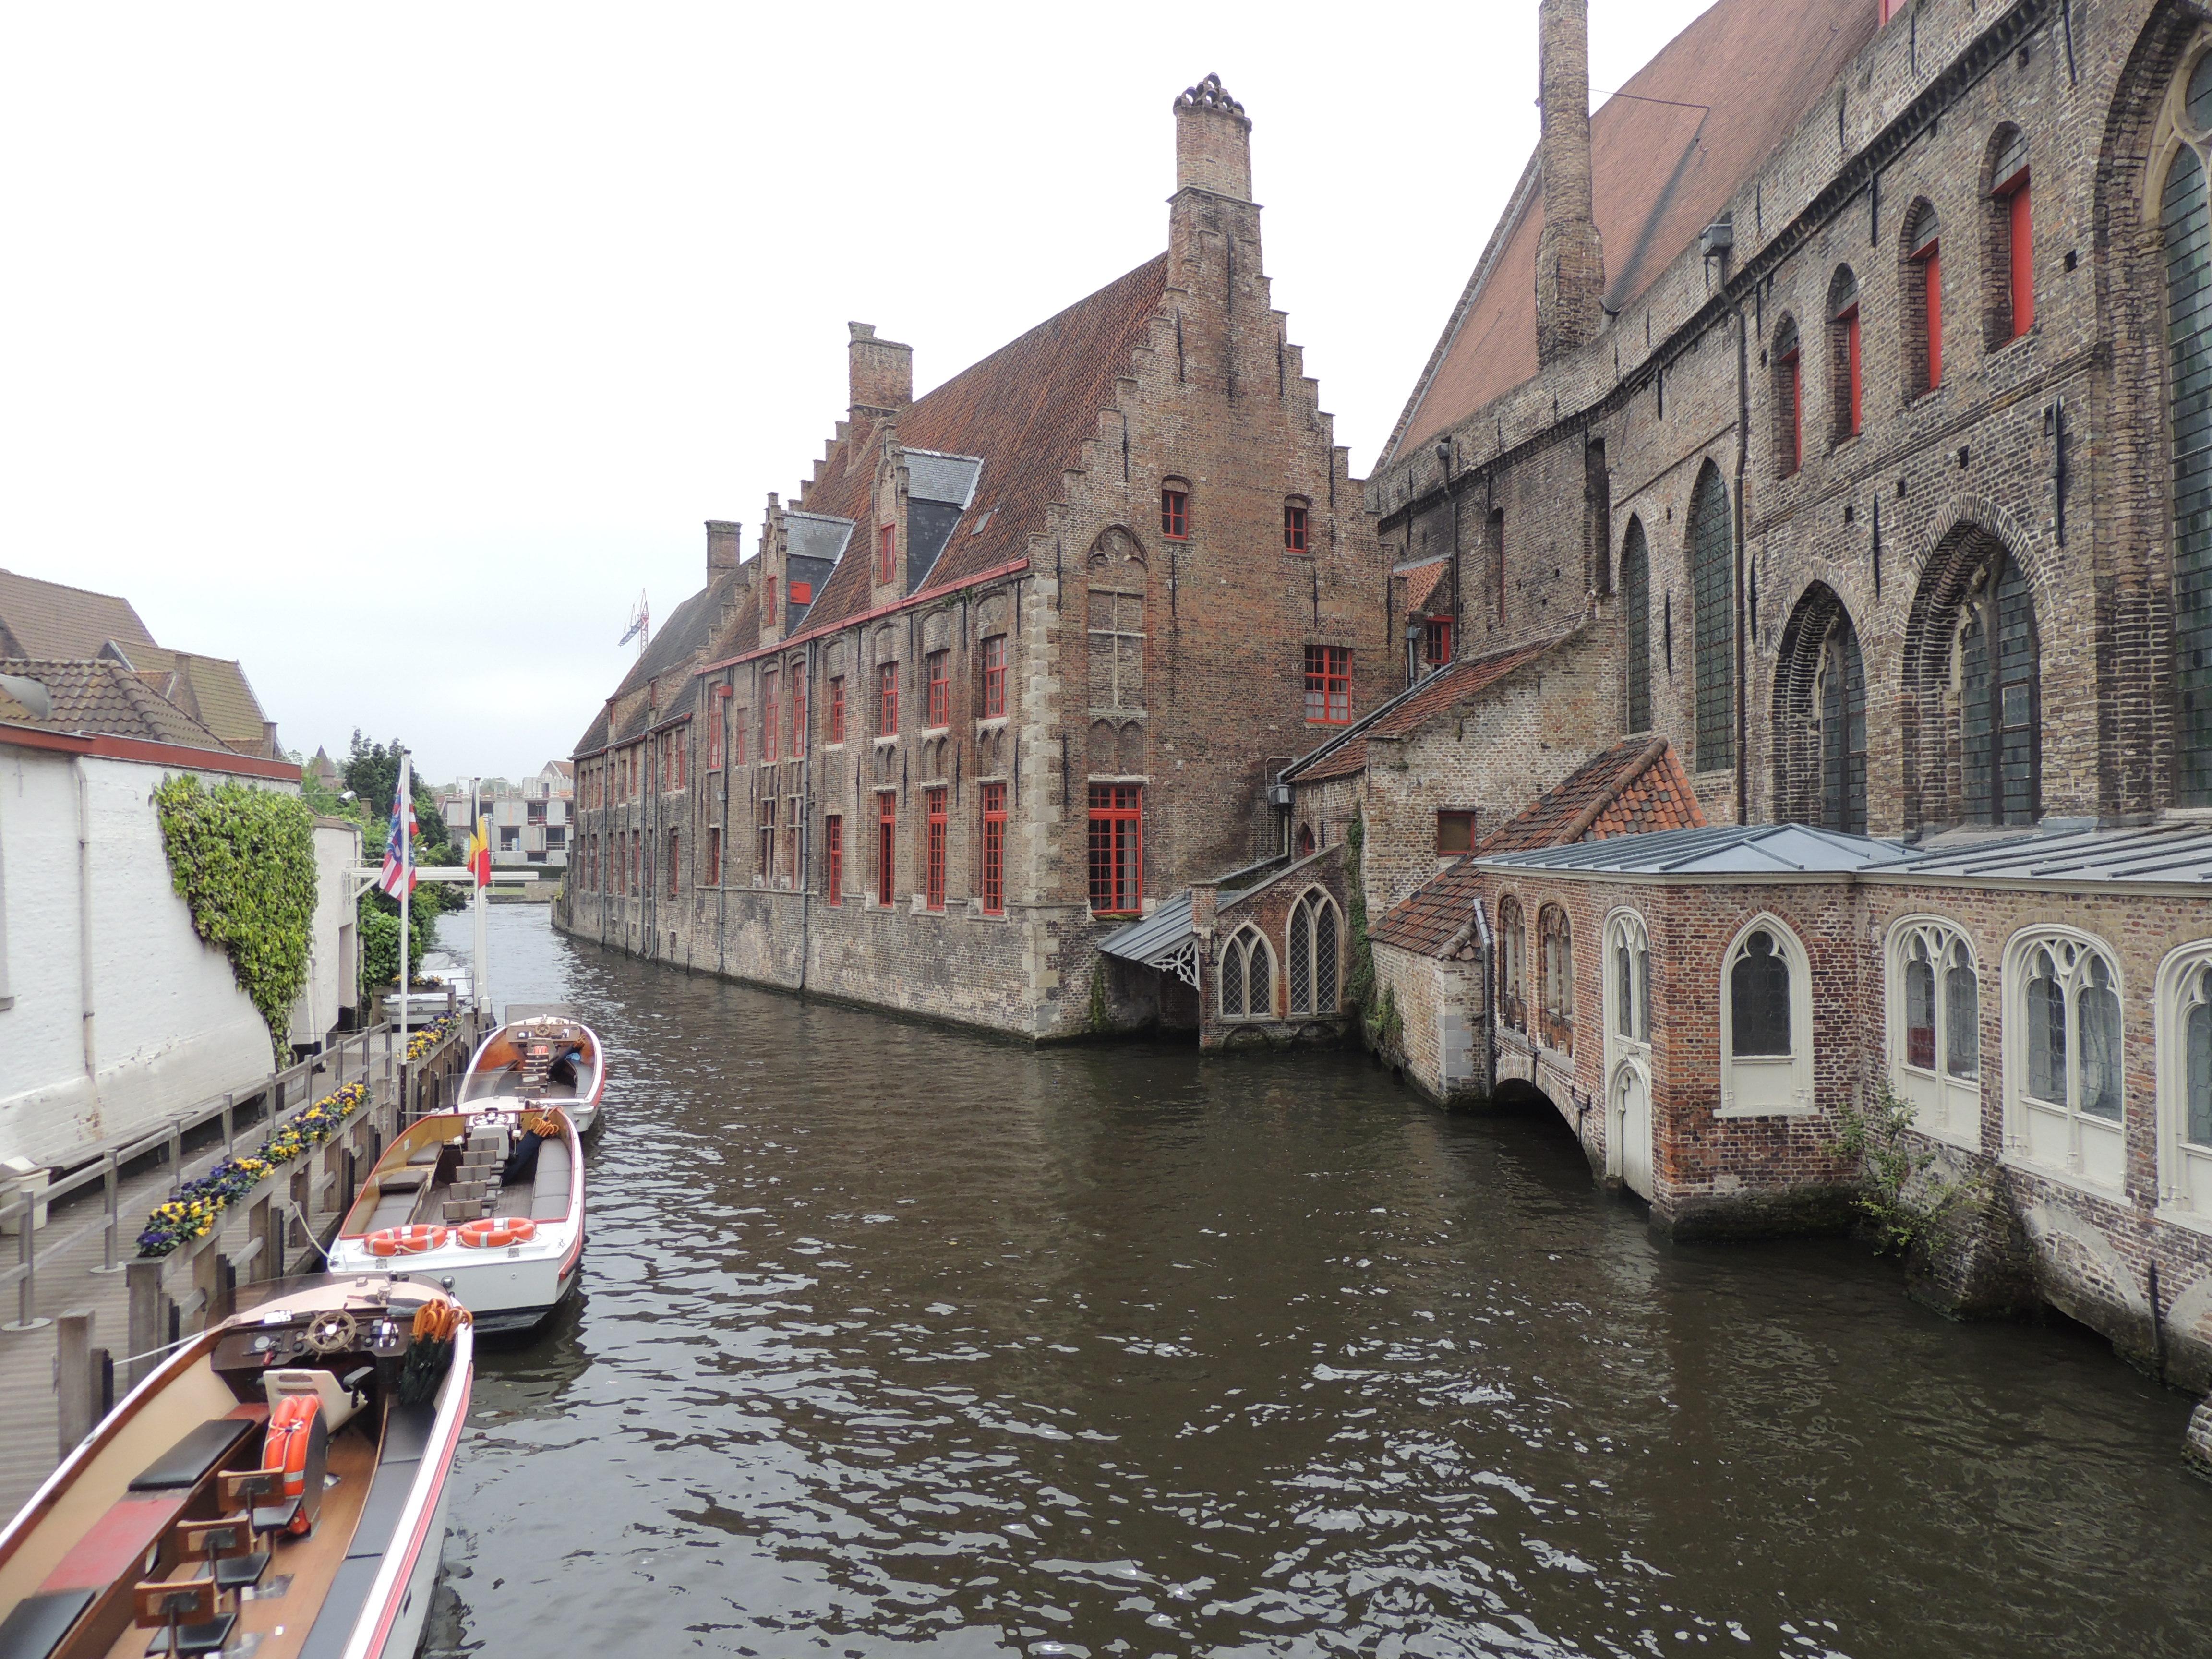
point(1411, 709)
point(53, 622)
point(1636, 785)
point(1024, 411)
point(101, 697)
point(1668, 151)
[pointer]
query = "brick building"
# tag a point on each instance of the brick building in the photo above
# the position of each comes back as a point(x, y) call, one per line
point(1836, 393)
point(1020, 660)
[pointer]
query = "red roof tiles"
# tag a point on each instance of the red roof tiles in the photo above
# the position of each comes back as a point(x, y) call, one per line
point(1415, 709)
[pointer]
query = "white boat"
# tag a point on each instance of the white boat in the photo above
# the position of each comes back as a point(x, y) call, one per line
point(278, 1487)
point(486, 1200)
point(542, 1056)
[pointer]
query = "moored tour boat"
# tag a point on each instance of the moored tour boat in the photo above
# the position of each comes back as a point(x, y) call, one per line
point(278, 1487)
point(487, 1200)
point(543, 1055)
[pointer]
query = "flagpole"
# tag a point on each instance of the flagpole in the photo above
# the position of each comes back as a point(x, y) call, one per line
point(475, 822)
point(403, 800)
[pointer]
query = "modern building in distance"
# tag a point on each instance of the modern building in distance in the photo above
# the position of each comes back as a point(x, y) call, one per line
point(531, 822)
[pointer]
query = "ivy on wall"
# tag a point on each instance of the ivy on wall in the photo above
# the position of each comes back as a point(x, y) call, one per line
point(1359, 981)
point(243, 860)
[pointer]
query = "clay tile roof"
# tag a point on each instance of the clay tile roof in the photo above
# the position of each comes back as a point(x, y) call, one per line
point(212, 690)
point(1735, 83)
point(1412, 709)
point(1025, 411)
point(1421, 582)
point(104, 698)
point(1635, 787)
point(49, 621)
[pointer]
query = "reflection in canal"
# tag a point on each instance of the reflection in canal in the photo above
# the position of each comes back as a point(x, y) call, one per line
point(900, 1342)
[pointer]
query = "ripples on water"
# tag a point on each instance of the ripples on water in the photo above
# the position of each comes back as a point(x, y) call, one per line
point(898, 1341)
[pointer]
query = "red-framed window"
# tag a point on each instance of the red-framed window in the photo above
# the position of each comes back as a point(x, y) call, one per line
point(2021, 222)
point(801, 593)
point(1848, 321)
point(994, 882)
point(792, 873)
point(1328, 685)
point(798, 710)
point(994, 676)
point(886, 850)
point(886, 550)
point(933, 799)
point(767, 716)
point(679, 747)
point(837, 709)
point(833, 848)
point(768, 604)
point(1790, 364)
point(675, 864)
point(887, 700)
point(719, 708)
point(939, 667)
point(636, 861)
point(1294, 527)
point(1928, 255)
point(767, 841)
point(1436, 640)
point(737, 740)
point(713, 858)
point(1117, 849)
point(1175, 512)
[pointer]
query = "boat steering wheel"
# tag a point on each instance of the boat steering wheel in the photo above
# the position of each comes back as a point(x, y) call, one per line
point(331, 1330)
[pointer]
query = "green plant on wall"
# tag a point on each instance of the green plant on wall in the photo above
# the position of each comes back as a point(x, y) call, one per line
point(1359, 979)
point(379, 939)
point(243, 860)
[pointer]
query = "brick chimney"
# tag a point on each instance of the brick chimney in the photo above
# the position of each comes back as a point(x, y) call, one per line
point(1213, 142)
point(721, 548)
point(1570, 260)
point(881, 373)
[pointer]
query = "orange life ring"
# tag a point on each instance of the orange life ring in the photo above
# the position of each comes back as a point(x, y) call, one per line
point(410, 1241)
point(291, 1427)
point(493, 1230)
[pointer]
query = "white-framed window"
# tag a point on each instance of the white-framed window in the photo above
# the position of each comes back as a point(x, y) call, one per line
point(1316, 964)
point(2062, 1055)
point(1628, 980)
point(1766, 1023)
point(2184, 1084)
point(1555, 945)
point(1934, 994)
point(1248, 976)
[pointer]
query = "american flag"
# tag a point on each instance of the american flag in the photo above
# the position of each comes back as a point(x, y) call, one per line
point(399, 847)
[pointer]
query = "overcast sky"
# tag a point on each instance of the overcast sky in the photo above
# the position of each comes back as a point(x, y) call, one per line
point(396, 350)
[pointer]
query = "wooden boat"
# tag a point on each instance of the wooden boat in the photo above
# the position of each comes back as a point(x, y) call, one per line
point(487, 1200)
point(543, 1056)
point(278, 1487)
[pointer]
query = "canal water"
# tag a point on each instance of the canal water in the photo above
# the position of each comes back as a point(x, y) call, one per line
point(900, 1341)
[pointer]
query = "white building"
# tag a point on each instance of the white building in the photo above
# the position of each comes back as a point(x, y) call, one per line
point(530, 823)
point(113, 1010)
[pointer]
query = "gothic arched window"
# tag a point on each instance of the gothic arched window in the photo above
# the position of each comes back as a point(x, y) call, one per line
point(2189, 335)
point(2065, 1079)
point(1512, 932)
point(1843, 731)
point(1712, 585)
point(2000, 700)
point(1555, 945)
point(1248, 988)
point(1636, 617)
point(1315, 964)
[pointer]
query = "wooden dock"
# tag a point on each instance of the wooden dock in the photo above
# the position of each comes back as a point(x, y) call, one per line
point(72, 1251)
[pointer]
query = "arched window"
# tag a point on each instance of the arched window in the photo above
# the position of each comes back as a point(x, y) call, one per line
point(1844, 377)
point(2189, 333)
point(1636, 616)
point(2000, 713)
point(1789, 369)
point(1597, 517)
point(1306, 840)
point(1513, 1007)
point(2008, 283)
point(1766, 1023)
point(2064, 1058)
point(1497, 537)
point(1314, 963)
point(1628, 979)
point(1247, 977)
point(1922, 294)
point(1555, 942)
point(1713, 584)
point(2184, 1081)
point(1842, 688)
point(1934, 1027)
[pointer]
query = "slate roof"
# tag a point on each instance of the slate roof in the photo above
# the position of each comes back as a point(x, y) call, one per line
point(1412, 708)
point(2179, 853)
point(1693, 126)
point(54, 622)
point(1635, 787)
point(1024, 412)
point(101, 697)
point(1749, 851)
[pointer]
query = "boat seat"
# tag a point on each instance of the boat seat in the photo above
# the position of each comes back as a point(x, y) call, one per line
point(395, 1207)
point(550, 1199)
point(188, 1462)
point(426, 1157)
point(338, 1404)
point(34, 1629)
point(410, 1177)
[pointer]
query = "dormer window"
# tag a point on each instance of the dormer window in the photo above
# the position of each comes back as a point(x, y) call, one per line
point(1174, 510)
point(1294, 527)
